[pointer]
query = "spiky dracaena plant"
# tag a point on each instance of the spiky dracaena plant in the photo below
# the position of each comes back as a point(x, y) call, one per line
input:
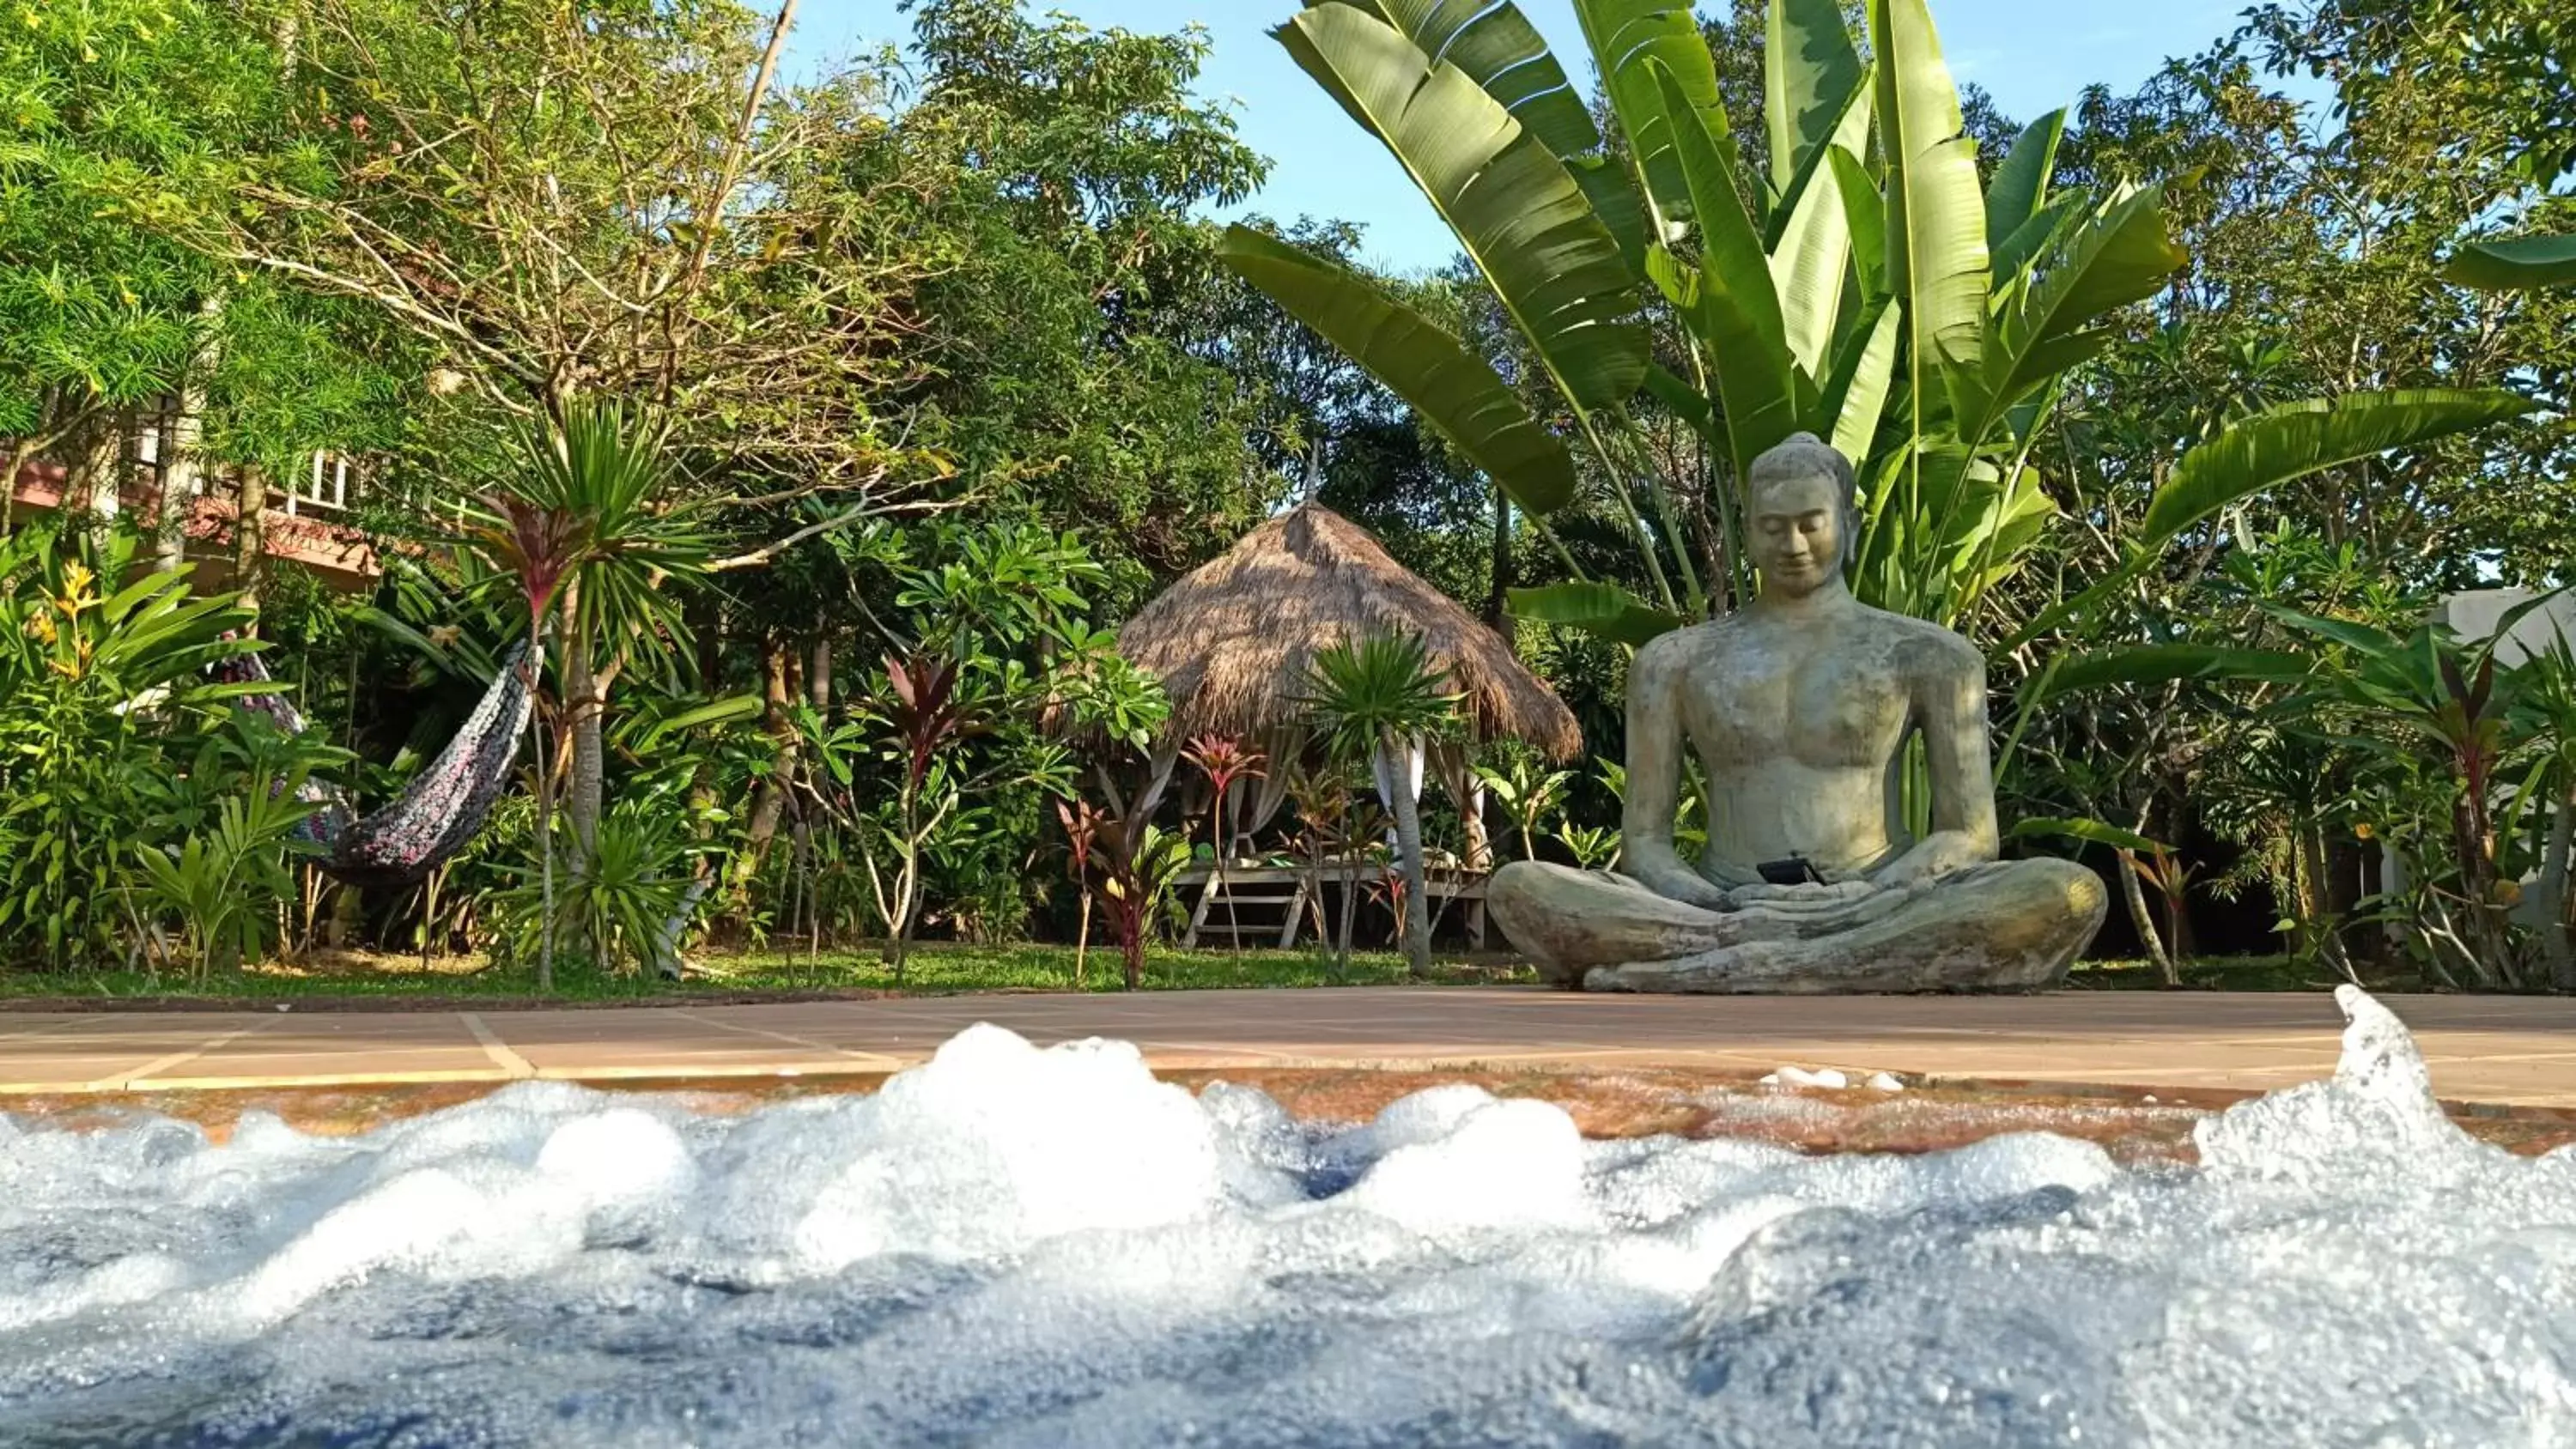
point(1082, 821)
point(1225, 762)
point(588, 528)
point(1381, 697)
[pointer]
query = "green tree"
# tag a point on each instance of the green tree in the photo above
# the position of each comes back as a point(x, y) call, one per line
point(1072, 327)
point(115, 117)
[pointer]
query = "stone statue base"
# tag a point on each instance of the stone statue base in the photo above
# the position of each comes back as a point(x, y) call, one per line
point(1999, 926)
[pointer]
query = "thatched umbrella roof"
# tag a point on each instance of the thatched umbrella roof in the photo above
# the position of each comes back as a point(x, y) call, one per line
point(1232, 641)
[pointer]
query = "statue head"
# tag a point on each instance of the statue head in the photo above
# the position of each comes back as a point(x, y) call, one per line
point(1801, 515)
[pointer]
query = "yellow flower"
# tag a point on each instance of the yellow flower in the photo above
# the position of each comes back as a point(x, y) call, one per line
point(40, 627)
point(2364, 831)
point(76, 577)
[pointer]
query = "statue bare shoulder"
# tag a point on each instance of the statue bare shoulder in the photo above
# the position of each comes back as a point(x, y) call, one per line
point(1926, 651)
point(1669, 658)
point(1673, 655)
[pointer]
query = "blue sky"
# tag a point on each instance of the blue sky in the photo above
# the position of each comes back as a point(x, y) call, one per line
point(2031, 54)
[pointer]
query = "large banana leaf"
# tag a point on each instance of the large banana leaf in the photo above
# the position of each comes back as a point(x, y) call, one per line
point(1614, 198)
point(2021, 183)
point(2166, 663)
point(2120, 255)
point(2092, 831)
point(1627, 34)
point(2516, 265)
point(1519, 214)
point(2278, 446)
point(1685, 402)
point(2011, 256)
point(1459, 392)
point(2308, 436)
point(1936, 214)
point(1729, 300)
point(1810, 72)
point(1499, 50)
point(1986, 539)
point(1856, 394)
point(1605, 611)
point(1865, 212)
point(1811, 262)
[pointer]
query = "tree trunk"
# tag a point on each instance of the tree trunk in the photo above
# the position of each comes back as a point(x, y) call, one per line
point(586, 700)
point(2559, 907)
point(2342, 891)
point(1498, 598)
point(1350, 899)
point(817, 690)
point(1408, 845)
point(250, 543)
point(182, 475)
point(707, 620)
point(183, 464)
point(2139, 916)
point(1471, 813)
point(89, 491)
point(769, 802)
point(545, 812)
point(666, 961)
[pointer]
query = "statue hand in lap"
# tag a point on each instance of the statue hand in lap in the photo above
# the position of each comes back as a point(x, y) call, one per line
point(1799, 709)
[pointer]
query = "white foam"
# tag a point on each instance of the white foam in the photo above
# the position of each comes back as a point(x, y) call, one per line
point(1048, 1247)
point(1823, 1078)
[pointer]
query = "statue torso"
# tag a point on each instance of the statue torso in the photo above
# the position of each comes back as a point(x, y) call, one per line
point(1801, 729)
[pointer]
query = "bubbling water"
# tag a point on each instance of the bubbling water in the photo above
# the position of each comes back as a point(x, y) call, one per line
point(1015, 1246)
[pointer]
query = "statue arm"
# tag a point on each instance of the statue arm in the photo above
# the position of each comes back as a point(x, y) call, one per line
point(1655, 744)
point(1950, 705)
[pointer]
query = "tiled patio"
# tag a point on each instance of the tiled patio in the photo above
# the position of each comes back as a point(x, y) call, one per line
point(2500, 1050)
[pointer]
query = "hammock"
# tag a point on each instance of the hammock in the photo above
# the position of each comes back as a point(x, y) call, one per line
point(437, 813)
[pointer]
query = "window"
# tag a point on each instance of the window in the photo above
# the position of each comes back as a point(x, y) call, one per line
point(326, 488)
point(151, 441)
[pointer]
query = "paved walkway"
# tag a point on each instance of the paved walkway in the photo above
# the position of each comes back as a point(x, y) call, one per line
point(2504, 1050)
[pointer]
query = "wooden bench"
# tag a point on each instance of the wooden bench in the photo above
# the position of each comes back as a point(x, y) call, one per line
point(1271, 902)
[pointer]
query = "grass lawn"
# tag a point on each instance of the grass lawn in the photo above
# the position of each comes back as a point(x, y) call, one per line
point(2227, 973)
point(934, 970)
point(357, 978)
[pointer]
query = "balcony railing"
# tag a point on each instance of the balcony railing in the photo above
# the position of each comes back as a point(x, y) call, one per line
point(302, 520)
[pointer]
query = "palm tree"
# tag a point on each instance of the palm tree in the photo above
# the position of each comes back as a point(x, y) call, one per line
point(586, 529)
point(1381, 696)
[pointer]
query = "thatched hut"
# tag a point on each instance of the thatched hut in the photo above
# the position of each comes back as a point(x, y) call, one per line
point(1232, 642)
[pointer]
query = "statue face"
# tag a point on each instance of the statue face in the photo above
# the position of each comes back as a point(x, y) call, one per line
point(1798, 534)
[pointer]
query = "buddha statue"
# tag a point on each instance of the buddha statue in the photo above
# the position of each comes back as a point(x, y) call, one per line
point(1799, 708)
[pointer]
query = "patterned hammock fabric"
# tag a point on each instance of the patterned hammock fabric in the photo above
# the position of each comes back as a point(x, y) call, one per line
point(437, 813)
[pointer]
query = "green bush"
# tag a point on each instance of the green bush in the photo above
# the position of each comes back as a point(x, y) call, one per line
point(135, 794)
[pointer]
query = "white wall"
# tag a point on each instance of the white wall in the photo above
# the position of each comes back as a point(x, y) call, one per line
point(2475, 615)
